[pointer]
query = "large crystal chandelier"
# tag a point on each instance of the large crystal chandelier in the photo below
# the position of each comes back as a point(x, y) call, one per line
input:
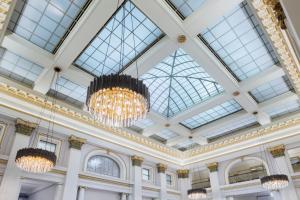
point(38, 160)
point(118, 100)
point(198, 193)
point(275, 182)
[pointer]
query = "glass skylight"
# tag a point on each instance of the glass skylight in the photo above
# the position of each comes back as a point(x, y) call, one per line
point(45, 22)
point(69, 91)
point(239, 42)
point(231, 127)
point(272, 89)
point(212, 114)
point(178, 83)
point(18, 68)
point(167, 134)
point(185, 7)
point(102, 55)
point(284, 109)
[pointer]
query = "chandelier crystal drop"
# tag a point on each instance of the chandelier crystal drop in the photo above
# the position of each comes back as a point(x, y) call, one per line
point(198, 193)
point(35, 160)
point(275, 182)
point(117, 100)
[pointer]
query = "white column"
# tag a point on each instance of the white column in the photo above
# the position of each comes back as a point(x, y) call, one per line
point(11, 184)
point(282, 167)
point(137, 177)
point(58, 192)
point(214, 181)
point(184, 182)
point(161, 169)
point(81, 193)
point(276, 195)
point(71, 180)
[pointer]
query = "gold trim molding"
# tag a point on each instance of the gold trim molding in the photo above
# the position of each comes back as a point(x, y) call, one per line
point(25, 127)
point(213, 167)
point(277, 151)
point(76, 142)
point(161, 168)
point(137, 161)
point(183, 173)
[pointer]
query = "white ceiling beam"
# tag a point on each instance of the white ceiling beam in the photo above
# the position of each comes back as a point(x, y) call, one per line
point(209, 13)
point(93, 19)
point(278, 101)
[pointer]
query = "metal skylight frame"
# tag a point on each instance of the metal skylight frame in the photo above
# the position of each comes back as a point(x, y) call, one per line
point(93, 60)
point(184, 8)
point(51, 35)
point(18, 68)
point(241, 32)
point(177, 83)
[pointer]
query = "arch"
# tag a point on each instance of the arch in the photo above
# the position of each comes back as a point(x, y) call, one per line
point(234, 162)
point(110, 155)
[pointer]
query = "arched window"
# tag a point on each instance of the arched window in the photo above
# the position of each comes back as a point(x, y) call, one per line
point(103, 165)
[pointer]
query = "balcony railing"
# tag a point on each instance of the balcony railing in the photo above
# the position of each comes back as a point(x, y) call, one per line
point(202, 183)
point(296, 167)
point(247, 176)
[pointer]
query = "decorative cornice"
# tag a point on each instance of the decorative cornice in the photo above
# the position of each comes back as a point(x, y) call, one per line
point(58, 171)
point(137, 161)
point(161, 168)
point(279, 38)
point(277, 151)
point(102, 180)
point(183, 173)
point(76, 142)
point(276, 8)
point(24, 127)
point(213, 167)
point(4, 8)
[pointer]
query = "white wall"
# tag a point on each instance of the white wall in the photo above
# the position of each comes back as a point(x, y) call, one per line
point(45, 194)
point(101, 194)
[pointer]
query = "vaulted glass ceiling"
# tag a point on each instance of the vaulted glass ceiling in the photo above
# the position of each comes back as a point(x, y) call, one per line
point(178, 83)
point(185, 7)
point(18, 68)
point(103, 54)
point(212, 114)
point(271, 89)
point(239, 42)
point(45, 22)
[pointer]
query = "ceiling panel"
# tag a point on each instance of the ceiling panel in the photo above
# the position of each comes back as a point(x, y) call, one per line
point(184, 8)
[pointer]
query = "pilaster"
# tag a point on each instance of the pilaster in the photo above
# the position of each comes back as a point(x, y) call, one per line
point(161, 170)
point(214, 181)
point(184, 182)
point(137, 177)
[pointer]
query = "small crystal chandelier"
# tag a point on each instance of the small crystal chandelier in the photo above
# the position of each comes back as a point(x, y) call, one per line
point(198, 193)
point(275, 182)
point(37, 160)
point(118, 100)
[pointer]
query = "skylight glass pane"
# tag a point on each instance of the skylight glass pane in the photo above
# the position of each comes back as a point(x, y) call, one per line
point(69, 91)
point(236, 125)
point(102, 55)
point(44, 22)
point(212, 114)
point(238, 40)
point(167, 134)
point(18, 68)
point(185, 7)
point(284, 109)
point(178, 83)
point(272, 89)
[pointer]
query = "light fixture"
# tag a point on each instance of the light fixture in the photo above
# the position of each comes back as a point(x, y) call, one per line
point(198, 193)
point(38, 160)
point(275, 182)
point(118, 100)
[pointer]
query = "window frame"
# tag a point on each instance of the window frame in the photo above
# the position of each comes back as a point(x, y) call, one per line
point(53, 140)
point(103, 175)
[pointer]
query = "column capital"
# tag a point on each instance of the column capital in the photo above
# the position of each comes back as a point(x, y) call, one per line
point(183, 173)
point(277, 151)
point(76, 142)
point(137, 161)
point(161, 168)
point(213, 167)
point(24, 127)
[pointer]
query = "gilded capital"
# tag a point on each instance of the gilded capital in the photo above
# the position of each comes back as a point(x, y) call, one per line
point(183, 173)
point(25, 127)
point(213, 167)
point(76, 142)
point(161, 168)
point(137, 161)
point(277, 151)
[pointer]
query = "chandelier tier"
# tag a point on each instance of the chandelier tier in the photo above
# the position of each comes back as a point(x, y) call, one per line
point(198, 193)
point(275, 182)
point(35, 160)
point(118, 100)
